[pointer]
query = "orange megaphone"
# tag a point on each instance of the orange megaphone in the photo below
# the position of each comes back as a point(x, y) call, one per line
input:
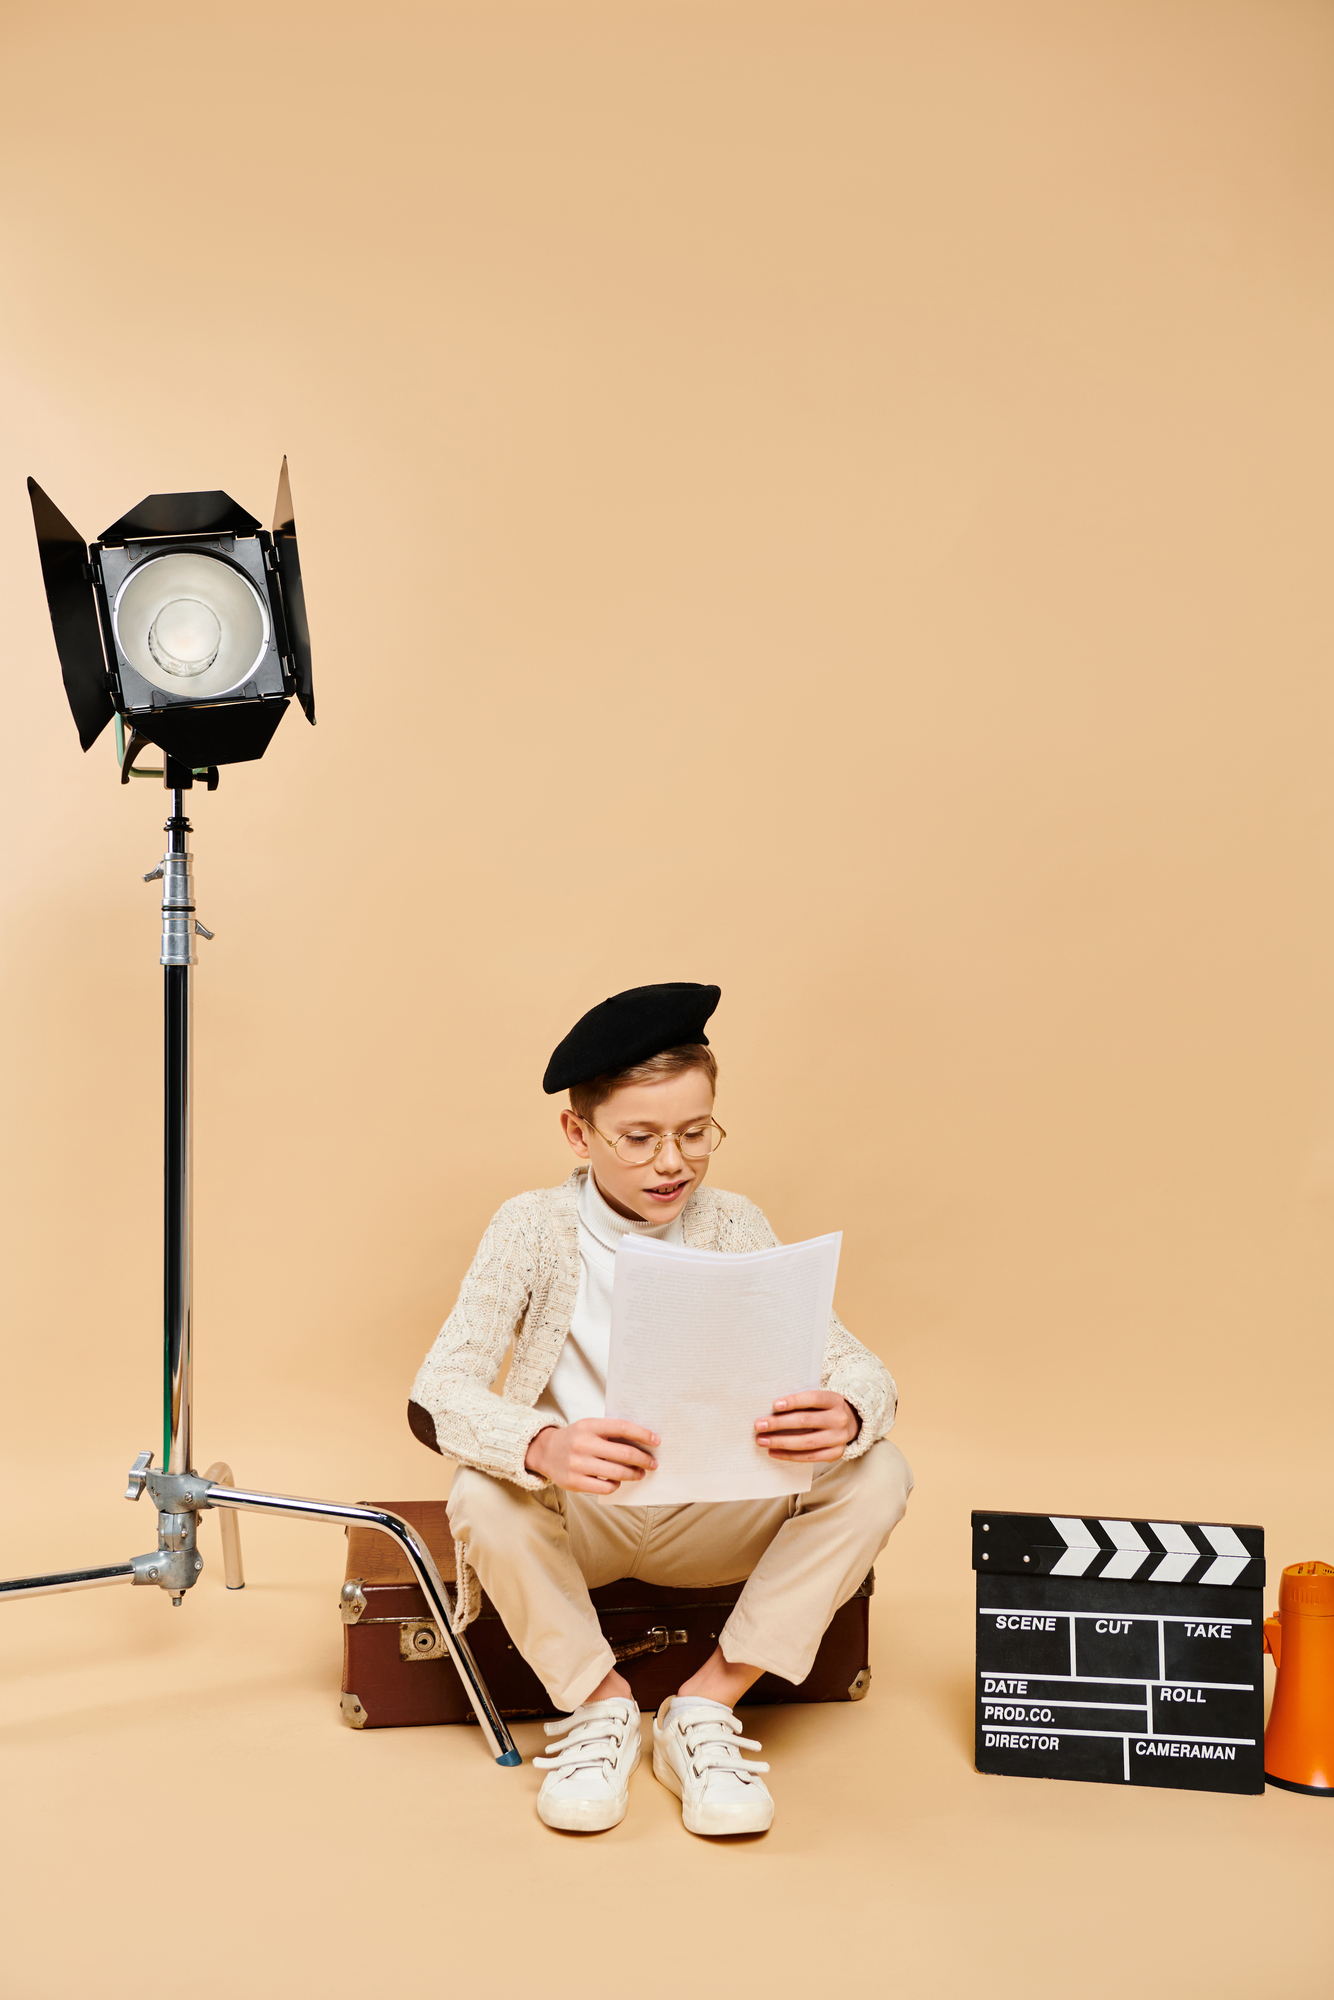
point(1299, 1741)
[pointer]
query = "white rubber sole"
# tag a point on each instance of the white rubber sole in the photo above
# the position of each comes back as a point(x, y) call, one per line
point(711, 1820)
point(589, 1815)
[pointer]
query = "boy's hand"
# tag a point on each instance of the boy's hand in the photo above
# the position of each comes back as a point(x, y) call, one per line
point(593, 1456)
point(817, 1424)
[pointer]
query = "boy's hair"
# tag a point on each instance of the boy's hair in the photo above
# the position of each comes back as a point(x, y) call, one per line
point(595, 1090)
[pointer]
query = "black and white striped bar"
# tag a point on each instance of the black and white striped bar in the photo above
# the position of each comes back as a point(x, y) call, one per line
point(1090, 1669)
point(1123, 1551)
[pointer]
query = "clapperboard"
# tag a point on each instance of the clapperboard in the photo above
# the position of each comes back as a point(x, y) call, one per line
point(1120, 1652)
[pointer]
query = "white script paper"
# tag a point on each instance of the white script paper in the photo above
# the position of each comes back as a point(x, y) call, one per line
point(703, 1343)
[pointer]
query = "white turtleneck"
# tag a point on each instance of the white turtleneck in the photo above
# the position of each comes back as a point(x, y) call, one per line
point(578, 1384)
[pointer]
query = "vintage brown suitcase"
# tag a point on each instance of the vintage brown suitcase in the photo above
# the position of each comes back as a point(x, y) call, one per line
point(397, 1673)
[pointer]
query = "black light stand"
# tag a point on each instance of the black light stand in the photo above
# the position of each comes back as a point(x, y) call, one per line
point(222, 729)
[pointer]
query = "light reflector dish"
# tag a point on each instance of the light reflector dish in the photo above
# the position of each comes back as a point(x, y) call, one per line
point(191, 624)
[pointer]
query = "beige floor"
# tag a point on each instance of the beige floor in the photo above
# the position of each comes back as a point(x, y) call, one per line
point(181, 1799)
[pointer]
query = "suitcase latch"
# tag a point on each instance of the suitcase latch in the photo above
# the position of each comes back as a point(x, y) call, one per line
point(419, 1639)
point(655, 1641)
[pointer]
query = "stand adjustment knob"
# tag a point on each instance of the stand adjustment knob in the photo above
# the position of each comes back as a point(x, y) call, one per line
point(203, 929)
point(138, 1475)
point(155, 874)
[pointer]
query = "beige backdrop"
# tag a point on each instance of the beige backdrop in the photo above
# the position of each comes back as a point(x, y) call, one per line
point(833, 499)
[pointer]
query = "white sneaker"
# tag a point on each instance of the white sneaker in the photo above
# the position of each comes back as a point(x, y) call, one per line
point(697, 1749)
point(589, 1786)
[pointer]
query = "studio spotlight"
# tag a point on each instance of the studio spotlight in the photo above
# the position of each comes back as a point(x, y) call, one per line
point(185, 618)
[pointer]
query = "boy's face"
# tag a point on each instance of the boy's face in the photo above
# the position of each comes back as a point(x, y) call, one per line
point(658, 1191)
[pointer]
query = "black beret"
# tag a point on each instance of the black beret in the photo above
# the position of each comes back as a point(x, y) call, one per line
point(628, 1029)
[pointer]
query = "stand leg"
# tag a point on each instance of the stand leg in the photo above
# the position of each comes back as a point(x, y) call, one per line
point(173, 1565)
point(425, 1571)
point(220, 1474)
point(65, 1579)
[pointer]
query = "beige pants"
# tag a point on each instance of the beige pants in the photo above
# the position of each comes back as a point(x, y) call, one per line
point(538, 1555)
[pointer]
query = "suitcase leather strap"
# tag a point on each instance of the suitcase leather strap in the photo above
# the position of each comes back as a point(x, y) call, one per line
point(656, 1640)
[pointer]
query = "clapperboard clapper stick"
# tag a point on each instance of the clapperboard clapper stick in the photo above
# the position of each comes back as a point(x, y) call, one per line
point(1120, 1652)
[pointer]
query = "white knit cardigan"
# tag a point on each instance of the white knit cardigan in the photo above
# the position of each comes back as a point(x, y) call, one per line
point(522, 1286)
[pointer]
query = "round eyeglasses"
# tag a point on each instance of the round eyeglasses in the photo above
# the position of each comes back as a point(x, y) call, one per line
point(640, 1149)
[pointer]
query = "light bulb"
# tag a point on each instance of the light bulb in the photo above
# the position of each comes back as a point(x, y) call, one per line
point(184, 637)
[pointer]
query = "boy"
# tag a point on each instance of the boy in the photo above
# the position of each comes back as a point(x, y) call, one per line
point(523, 1508)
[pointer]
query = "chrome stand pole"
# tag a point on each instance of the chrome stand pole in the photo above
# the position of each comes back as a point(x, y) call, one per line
point(178, 962)
point(177, 1491)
